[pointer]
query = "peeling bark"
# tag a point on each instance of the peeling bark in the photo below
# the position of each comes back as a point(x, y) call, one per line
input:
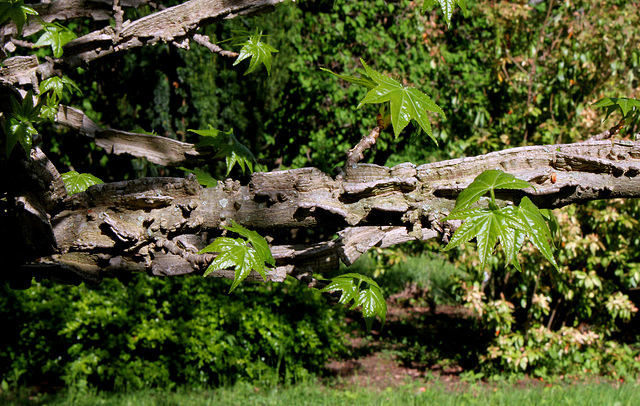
point(158, 225)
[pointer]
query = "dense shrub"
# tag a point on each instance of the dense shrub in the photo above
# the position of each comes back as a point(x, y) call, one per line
point(164, 332)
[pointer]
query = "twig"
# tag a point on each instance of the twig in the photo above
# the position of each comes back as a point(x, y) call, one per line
point(356, 154)
point(610, 133)
point(206, 42)
point(118, 15)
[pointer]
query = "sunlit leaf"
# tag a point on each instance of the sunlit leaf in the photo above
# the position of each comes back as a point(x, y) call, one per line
point(258, 51)
point(234, 253)
point(373, 304)
point(487, 226)
point(16, 11)
point(363, 80)
point(256, 240)
point(56, 36)
point(624, 105)
point(538, 231)
point(19, 131)
point(242, 254)
point(447, 7)
point(202, 177)
point(369, 298)
point(76, 182)
point(407, 103)
point(57, 85)
point(487, 181)
point(228, 147)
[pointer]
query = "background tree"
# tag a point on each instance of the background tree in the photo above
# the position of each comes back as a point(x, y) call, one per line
point(529, 94)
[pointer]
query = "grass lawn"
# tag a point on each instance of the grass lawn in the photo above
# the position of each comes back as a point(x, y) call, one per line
point(310, 393)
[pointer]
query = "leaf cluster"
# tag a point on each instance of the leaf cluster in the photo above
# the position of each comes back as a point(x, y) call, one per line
point(250, 252)
point(369, 297)
point(76, 182)
point(405, 103)
point(227, 146)
point(253, 47)
point(629, 108)
point(509, 225)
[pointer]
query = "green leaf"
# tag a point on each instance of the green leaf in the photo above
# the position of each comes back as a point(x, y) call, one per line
point(346, 285)
point(625, 105)
point(538, 231)
point(228, 147)
point(25, 110)
point(16, 11)
point(487, 181)
point(363, 80)
point(407, 103)
point(57, 85)
point(373, 304)
point(370, 298)
point(256, 240)
point(56, 36)
point(19, 131)
point(203, 177)
point(487, 226)
point(447, 7)
point(245, 255)
point(258, 51)
point(234, 253)
point(76, 182)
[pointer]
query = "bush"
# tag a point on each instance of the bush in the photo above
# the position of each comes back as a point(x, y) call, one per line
point(162, 332)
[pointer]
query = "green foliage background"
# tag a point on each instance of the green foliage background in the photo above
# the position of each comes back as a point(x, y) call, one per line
point(507, 74)
point(154, 332)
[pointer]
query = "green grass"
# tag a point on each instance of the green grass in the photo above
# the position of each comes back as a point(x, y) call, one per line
point(310, 393)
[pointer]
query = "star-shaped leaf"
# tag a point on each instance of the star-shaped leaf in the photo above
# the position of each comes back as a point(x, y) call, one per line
point(363, 80)
point(76, 182)
point(234, 253)
point(56, 36)
point(447, 7)
point(538, 231)
point(16, 11)
point(373, 304)
point(243, 254)
point(202, 177)
point(228, 147)
point(487, 226)
point(57, 85)
point(487, 181)
point(624, 105)
point(370, 298)
point(19, 131)
point(407, 103)
point(256, 240)
point(258, 51)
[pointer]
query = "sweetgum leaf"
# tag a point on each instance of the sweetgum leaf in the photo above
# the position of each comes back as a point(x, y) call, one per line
point(373, 304)
point(57, 85)
point(486, 226)
point(76, 182)
point(256, 240)
point(19, 131)
point(363, 80)
point(258, 51)
point(202, 177)
point(234, 253)
point(228, 147)
point(16, 11)
point(407, 103)
point(346, 286)
point(624, 105)
point(487, 181)
point(447, 7)
point(537, 229)
point(56, 36)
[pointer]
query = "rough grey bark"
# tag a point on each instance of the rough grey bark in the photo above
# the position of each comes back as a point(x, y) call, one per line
point(158, 225)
